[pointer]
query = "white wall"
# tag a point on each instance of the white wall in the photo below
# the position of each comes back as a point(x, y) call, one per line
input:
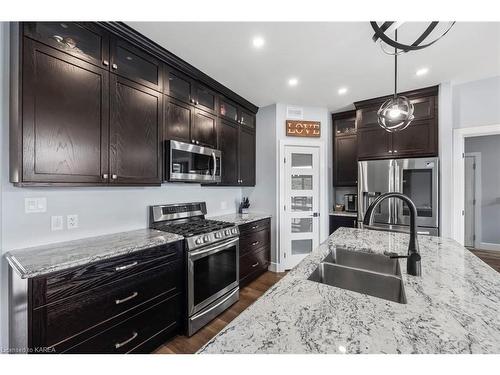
point(101, 210)
point(489, 147)
point(476, 103)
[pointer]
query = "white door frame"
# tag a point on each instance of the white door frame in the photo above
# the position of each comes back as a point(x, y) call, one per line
point(477, 197)
point(323, 191)
point(459, 136)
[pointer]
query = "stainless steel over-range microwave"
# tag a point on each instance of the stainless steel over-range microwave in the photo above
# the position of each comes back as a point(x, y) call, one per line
point(186, 162)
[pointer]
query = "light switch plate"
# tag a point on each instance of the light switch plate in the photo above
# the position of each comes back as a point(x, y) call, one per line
point(72, 221)
point(35, 205)
point(56, 223)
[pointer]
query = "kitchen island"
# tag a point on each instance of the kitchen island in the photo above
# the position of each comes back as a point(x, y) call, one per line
point(453, 308)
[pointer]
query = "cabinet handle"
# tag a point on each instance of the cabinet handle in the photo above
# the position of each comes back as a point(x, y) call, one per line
point(197, 102)
point(127, 266)
point(132, 296)
point(197, 142)
point(105, 62)
point(114, 176)
point(390, 151)
point(105, 176)
point(193, 141)
point(114, 66)
point(120, 344)
point(395, 151)
point(255, 265)
point(255, 227)
point(255, 243)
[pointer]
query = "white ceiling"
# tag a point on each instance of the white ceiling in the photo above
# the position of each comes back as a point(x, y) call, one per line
point(324, 57)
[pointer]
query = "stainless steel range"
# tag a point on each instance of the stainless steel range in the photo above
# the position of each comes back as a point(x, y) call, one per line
point(212, 249)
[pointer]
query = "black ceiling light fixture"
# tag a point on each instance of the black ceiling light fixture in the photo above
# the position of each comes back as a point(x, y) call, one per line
point(396, 113)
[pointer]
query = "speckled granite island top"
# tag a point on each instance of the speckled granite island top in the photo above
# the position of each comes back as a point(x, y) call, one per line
point(41, 260)
point(453, 308)
point(240, 219)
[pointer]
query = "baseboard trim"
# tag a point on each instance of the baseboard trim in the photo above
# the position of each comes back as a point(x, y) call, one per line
point(489, 246)
point(274, 267)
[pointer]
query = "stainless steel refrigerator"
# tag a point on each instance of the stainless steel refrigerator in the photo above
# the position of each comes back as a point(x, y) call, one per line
point(417, 178)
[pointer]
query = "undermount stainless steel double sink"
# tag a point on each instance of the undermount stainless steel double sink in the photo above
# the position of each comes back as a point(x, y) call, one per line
point(373, 274)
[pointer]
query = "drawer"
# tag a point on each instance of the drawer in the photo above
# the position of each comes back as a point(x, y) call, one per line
point(253, 241)
point(254, 261)
point(61, 320)
point(254, 226)
point(75, 280)
point(132, 335)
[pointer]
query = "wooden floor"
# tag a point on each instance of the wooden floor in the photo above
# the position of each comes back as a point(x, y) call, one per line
point(248, 294)
point(490, 257)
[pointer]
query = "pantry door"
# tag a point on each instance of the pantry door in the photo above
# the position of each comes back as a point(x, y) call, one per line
point(300, 227)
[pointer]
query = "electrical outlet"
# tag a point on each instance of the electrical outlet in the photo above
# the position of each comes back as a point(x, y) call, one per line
point(56, 223)
point(72, 221)
point(34, 205)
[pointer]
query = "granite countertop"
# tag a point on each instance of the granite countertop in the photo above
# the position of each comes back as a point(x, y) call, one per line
point(240, 219)
point(41, 260)
point(344, 213)
point(452, 308)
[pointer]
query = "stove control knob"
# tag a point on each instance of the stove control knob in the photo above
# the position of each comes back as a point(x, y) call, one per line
point(198, 241)
point(234, 231)
point(218, 235)
point(206, 238)
point(227, 232)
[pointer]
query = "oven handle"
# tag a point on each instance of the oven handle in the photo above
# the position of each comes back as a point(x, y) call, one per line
point(215, 164)
point(215, 306)
point(212, 250)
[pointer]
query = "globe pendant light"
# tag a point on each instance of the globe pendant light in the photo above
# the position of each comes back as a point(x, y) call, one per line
point(396, 113)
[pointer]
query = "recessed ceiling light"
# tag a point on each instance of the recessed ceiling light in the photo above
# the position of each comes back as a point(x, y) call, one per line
point(258, 42)
point(422, 71)
point(293, 82)
point(342, 90)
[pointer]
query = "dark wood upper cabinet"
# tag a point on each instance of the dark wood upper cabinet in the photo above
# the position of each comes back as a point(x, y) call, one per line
point(177, 120)
point(65, 118)
point(178, 85)
point(419, 139)
point(345, 161)
point(246, 157)
point(228, 145)
point(204, 129)
point(130, 62)
point(228, 110)
point(135, 122)
point(345, 152)
point(247, 119)
point(205, 98)
point(83, 40)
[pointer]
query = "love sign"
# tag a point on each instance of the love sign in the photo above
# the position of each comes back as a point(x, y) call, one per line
point(299, 128)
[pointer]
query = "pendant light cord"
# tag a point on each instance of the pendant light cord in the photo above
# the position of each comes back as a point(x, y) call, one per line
point(395, 65)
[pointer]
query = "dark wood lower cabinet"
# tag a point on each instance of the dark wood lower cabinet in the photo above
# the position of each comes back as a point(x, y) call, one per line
point(255, 249)
point(130, 304)
point(337, 222)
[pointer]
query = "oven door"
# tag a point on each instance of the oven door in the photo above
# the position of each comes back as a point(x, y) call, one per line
point(192, 163)
point(418, 179)
point(212, 272)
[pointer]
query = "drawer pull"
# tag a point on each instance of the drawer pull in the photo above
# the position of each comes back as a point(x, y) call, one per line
point(127, 266)
point(255, 243)
point(120, 344)
point(255, 227)
point(255, 265)
point(132, 296)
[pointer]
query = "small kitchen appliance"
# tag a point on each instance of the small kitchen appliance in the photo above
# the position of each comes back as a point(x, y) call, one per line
point(351, 202)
